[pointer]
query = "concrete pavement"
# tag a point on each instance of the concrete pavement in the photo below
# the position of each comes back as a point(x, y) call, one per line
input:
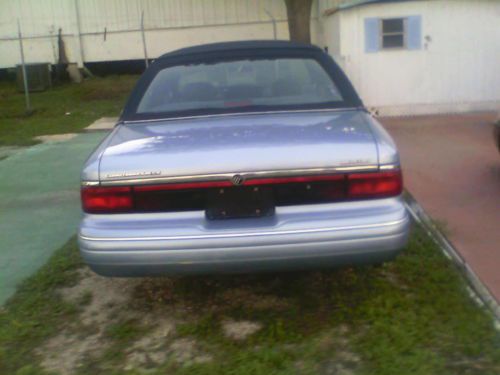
point(39, 204)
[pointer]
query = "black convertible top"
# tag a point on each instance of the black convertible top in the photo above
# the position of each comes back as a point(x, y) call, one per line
point(274, 45)
point(251, 49)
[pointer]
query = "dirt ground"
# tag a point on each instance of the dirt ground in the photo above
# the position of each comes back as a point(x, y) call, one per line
point(105, 301)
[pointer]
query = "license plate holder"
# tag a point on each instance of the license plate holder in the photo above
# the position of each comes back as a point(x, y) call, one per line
point(239, 202)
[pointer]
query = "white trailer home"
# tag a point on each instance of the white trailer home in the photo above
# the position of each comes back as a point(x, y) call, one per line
point(404, 56)
point(419, 57)
point(110, 30)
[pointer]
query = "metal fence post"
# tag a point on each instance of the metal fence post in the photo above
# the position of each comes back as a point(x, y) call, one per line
point(79, 30)
point(273, 20)
point(23, 67)
point(144, 40)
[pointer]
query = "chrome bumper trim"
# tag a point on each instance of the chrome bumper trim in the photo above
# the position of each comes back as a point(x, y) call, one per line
point(252, 234)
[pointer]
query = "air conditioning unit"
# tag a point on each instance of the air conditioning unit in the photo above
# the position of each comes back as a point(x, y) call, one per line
point(38, 74)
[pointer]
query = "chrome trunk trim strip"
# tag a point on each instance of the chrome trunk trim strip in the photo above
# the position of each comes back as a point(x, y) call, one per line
point(388, 167)
point(90, 183)
point(245, 175)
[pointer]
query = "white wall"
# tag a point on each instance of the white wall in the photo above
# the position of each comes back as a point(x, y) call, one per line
point(110, 29)
point(458, 70)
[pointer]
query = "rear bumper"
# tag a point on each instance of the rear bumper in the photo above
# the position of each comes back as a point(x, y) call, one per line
point(296, 237)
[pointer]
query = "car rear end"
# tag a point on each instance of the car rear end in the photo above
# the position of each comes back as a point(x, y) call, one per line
point(251, 187)
point(291, 211)
point(345, 218)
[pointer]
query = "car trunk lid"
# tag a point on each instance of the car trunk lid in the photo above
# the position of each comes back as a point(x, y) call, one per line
point(238, 144)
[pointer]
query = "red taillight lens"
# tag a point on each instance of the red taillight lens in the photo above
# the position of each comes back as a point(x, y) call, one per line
point(374, 185)
point(107, 199)
point(285, 190)
point(292, 180)
point(183, 186)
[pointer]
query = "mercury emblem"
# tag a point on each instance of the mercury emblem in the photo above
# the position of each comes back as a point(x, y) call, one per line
point(237, 180)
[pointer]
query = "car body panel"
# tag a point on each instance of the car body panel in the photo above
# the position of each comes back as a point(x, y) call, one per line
point(238, 144)
point(387, 151)
point(90, 171)
point(295, 237)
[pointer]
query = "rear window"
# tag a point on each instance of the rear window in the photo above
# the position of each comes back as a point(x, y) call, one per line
point(222, 85)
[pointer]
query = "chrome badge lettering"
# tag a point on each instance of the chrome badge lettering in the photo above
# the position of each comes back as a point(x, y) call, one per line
point(138, 174)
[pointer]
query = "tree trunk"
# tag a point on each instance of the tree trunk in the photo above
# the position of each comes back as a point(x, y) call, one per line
point(299, 20)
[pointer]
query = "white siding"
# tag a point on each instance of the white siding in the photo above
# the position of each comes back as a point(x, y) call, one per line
point(458, 70)
point(169, 24)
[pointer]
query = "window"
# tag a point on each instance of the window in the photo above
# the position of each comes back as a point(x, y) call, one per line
point(239, 83)
point(393, 33)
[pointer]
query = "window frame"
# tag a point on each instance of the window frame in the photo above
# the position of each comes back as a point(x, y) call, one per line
point(404, 33)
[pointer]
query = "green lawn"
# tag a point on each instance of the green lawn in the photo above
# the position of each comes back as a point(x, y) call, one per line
point(65, 108)
point(410, 316)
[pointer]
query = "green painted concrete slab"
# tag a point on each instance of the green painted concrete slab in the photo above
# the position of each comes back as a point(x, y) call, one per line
point(39, 205)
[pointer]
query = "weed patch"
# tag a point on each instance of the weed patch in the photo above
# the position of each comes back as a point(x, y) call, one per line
point(412, 315)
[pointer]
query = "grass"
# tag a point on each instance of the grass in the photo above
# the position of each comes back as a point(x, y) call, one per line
point(65, 108)
point(410, 316)
point(36, 311)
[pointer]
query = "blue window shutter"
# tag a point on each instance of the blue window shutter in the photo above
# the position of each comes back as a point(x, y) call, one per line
point(372, 38)
point(414, 32)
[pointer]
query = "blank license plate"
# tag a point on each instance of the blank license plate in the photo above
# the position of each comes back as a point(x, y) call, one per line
point(239, 202)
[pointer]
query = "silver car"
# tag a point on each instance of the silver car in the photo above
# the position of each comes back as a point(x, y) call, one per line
point(239, 157)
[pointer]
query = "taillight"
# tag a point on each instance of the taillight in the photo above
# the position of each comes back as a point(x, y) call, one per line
point(295, 180)
point(374, 185)
point(107, 199)
point(286, 191)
